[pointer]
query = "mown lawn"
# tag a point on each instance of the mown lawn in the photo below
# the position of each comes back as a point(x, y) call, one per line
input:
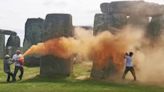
point(33, 83)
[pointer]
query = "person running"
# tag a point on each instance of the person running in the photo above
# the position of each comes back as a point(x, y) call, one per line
point(129, 66)
point(18, 64)
point(7, 62)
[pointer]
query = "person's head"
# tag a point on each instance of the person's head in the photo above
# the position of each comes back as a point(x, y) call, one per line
point(7, 56)
point(126, 54)
point(131, 54)
point(18, 52)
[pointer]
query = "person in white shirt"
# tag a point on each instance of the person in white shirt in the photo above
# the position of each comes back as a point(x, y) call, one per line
point(18, 65)
point(129, 65)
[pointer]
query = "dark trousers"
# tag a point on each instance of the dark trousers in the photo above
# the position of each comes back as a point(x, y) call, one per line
point(9, 74)
point(16, 71)
point(127, 69)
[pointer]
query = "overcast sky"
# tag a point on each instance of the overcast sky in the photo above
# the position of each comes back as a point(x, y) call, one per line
point(14, 13)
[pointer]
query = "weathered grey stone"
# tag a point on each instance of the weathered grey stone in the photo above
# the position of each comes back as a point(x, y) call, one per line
point(56, 25)
point(85, 27)
point(105, 72)
point(33, 31)
point(110, 22)
point(156, 27)
point(132, 8)
point(13, 43)
point(32, 61)
point(159, 19)
point(138, 21)
point(2, 45)
point(7, 32)
point(53, 66)
point(26, 45)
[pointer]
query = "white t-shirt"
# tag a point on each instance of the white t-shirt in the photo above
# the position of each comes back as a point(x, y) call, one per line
point(16, 58)
point(128, 60)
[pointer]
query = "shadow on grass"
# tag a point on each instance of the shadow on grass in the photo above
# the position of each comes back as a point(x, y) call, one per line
point(3, 82)
point(72, 82)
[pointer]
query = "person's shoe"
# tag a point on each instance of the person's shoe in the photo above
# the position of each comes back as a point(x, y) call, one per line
point(7, 81)
point(134, 80)
point(20, 78)
point(13, 80)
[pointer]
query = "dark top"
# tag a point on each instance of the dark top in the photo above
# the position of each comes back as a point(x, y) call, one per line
point(7, 63)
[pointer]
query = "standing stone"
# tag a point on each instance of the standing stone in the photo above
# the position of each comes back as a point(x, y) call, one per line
point(56, 25)
point(7, 32)
point(53, 66)
point(2, 45)
point(156, 28)
point(13, 43)
point(33, 31)
point(117, 14)
point(161, 21)
point(138, 21)
point(105, 72)
point(110, 22)
point(132, 8)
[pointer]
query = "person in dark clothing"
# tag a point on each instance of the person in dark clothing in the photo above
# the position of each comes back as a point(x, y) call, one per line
point(7, 63)
point(129, 65)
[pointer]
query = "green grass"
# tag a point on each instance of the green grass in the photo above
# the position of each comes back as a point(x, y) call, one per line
point(33, 83)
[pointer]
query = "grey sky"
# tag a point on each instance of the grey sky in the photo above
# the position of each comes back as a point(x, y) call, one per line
point(14, 13)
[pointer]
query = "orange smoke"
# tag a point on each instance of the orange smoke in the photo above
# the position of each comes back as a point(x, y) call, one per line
point(106, 47)
point(60, 47)
point(109, 48)
point(100, 49)
point(37, 49)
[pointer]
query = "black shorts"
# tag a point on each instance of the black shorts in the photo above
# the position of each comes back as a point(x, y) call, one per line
point(129, 69)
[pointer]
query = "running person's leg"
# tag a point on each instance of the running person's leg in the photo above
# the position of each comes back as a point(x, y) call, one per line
point(8, 76)
point(15, 73)
point(133, 73)
point(21, 72)
point(125, 72)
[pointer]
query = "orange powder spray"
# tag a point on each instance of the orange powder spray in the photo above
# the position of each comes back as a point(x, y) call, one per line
point(148, 60)
point(98, 48)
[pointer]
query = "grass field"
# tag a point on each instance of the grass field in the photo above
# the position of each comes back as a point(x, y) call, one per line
point(33, 83)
